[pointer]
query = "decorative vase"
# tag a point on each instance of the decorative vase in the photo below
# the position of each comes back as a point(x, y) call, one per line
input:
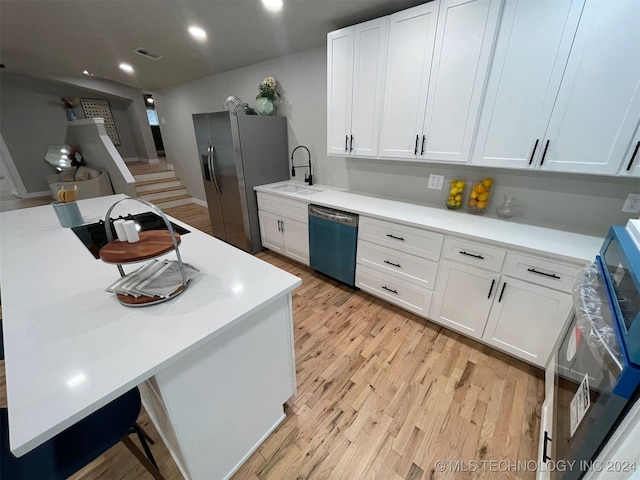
point(71, 115)
point(264, 106)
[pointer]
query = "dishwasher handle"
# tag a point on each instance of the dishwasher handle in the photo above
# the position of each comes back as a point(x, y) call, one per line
point(346, 218)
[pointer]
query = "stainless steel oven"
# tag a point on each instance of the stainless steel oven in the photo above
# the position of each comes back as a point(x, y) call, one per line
point(593, 379)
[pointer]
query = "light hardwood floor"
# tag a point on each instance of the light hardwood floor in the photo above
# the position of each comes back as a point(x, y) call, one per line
point(382, 394)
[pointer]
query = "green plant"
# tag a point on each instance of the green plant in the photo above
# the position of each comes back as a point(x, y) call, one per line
point(267, 89)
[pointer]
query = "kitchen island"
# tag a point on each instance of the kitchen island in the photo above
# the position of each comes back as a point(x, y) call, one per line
point(214, 365)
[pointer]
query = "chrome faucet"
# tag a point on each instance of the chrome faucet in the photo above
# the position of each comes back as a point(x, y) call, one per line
point(308, 177)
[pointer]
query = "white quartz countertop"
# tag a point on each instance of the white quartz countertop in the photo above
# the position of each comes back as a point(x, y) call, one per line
point(562, 245)
point(71, 347)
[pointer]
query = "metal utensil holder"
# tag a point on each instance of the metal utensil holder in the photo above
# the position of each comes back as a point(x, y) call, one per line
point(172, 233)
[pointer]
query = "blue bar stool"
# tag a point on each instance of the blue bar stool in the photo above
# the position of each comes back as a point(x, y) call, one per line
point(80, 444)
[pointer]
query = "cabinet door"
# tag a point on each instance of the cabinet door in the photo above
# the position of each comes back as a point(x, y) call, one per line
point(464, 40)
point(368, 76)
point(409, 53)
point(526, 319)
point(339, 89)
point(533, 44)
point(270, 231)
point(462, 298)
point(596, 112)
point(295, 237)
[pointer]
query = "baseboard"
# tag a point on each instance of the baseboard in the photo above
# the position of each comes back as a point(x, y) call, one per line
point(197, 201)
point(130, 159)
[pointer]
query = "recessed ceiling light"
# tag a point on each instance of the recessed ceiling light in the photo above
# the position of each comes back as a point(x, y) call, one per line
point(126, 67)
point(274, 5)
point(198, 33)
point(150, 100)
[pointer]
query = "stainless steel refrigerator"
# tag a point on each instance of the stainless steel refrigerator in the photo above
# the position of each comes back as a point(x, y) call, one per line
point(236, 154)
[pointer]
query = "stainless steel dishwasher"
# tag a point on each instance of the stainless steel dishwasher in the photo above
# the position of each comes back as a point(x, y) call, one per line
point(333, 237)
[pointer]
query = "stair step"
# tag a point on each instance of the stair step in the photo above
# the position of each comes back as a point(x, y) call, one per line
point(155, 195)
point(155, 176)
point(148, 187)
point(177, 201)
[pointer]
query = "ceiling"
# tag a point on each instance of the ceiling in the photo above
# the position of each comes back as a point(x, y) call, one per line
point(52, 38)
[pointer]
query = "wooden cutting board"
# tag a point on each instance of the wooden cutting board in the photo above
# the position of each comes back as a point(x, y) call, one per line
point(151, 244)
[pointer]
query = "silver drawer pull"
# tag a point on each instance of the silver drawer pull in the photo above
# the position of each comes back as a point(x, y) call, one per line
point(471, 255)
point(550, 275)
point(394, 237)
point(390, 290)
point(394, 264)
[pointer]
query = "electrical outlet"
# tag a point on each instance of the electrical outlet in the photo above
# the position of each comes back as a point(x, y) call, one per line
point(632, 204)
point(436, 182)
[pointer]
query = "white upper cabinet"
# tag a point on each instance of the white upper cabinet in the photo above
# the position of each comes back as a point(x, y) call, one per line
point(464, 41)
point(531, 52)
point(412, 36)
point(598, 105)
point(437, 62)
point(564, 88)
point(355, 73)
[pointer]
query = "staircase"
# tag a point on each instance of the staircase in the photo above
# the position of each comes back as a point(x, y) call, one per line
point(157, 183)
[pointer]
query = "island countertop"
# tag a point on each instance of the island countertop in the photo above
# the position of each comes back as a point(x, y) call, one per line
point(71, 347)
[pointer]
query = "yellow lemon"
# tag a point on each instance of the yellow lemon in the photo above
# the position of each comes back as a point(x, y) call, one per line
point(483, 197)
point(487, 182)
point(472, 202)
point(453, 191)
point(482, 205)
point(459, 198)
point(474, 194)
point(480, 188)
point(460, 184)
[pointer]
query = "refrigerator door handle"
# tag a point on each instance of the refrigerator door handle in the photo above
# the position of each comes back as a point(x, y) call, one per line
point(212, 163)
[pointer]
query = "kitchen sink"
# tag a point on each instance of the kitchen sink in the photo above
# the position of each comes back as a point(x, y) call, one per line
point(296, 188)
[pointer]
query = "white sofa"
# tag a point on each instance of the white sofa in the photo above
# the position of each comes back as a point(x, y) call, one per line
point(91, 182)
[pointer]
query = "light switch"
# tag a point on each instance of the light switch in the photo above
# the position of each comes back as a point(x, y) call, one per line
point(436, 182)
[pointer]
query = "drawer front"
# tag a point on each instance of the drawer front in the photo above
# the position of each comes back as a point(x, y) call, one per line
point(295, 209)
point(473, 253)
point(541, 271)
point(404, 266)
point(415, 241)
point(393, 290)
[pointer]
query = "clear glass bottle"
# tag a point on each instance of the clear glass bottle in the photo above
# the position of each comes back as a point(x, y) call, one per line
point(506, 209)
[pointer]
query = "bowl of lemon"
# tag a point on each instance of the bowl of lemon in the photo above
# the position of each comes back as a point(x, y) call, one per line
point(479, 195)
point(456, 192)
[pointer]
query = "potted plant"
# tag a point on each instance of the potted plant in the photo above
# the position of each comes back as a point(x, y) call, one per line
point(267, 96)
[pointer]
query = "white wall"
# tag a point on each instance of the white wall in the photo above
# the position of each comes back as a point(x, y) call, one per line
point(582, 203)
point(302, 82)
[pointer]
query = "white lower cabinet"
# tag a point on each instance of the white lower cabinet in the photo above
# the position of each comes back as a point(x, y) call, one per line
point(284, 226)
point(526, 319)
point(407, 295)
point(285, 236)
point(462, 297)
point(518, 317)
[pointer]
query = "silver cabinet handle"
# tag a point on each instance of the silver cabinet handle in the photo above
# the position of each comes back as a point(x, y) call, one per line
point(213, 171)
